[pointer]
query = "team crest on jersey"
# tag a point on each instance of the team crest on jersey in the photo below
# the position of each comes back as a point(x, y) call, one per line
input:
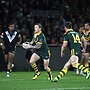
point(11, 38)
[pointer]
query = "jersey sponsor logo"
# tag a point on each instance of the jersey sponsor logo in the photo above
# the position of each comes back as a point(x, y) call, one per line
point(11, 38)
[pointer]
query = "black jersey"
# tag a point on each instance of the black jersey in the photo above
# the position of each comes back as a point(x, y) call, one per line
point(10, 39)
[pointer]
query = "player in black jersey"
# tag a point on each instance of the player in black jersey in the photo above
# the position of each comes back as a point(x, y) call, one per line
point(10, 38)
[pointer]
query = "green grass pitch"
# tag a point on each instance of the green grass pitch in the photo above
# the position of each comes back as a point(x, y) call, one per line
point(23, 81)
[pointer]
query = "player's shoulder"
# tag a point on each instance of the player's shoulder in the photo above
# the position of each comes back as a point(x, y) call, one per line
point(3, 31)
point(17, 30)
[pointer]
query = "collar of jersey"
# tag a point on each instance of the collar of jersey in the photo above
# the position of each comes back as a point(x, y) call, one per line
point(85, 32)
point(69, 30)
point(36, 34)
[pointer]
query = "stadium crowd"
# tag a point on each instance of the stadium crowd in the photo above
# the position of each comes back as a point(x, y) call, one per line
point(52, 14)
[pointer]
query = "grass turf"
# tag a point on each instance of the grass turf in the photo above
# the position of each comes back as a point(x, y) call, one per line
point(23, 81)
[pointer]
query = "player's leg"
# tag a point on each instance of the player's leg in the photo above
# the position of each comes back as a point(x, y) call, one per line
point(46, 67)
point(80, 66)
point(85, 63)
point(82, 62)
point(6, 60)
point(62, 72)
point(33, 59)
point(10, 58)
point(85, 70)
point(87, 54)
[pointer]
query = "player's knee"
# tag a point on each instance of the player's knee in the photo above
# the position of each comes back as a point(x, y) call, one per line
point(74, 57)
point(45, 67)
point(31, 62)
point(73, 65)
point(66, 66)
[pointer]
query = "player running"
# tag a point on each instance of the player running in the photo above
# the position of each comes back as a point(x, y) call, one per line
point(42, 51)
point(73, 40)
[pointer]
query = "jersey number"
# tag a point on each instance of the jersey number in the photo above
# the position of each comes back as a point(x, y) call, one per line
point(76, 38)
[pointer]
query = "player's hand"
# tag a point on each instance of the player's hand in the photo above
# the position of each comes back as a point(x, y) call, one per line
point(26, 46)
point(31, 43)
point(62, 54)
point(83, 50)
point(2, 45)
point(27, 42)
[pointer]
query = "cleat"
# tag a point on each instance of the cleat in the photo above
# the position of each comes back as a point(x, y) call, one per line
point(36, 75)
point(77, 71)
point(87, 75)
point(55, 79)
point(50, 77)
point(82, 73)
point(7, 74)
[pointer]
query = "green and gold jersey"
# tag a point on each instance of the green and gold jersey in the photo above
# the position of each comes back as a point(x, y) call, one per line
point(87, 37)
point(74, 42)
point(44, 51)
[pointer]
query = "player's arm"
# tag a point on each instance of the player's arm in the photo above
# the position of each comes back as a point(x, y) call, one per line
point(19, 40)
point(2, 42)
point(32, 42)
point(0, 39)
point(28, 46)
point(84, 42)
point(64, 45)
point(37, 46)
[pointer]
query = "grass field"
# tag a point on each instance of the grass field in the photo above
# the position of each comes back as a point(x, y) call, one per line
point(23, 81)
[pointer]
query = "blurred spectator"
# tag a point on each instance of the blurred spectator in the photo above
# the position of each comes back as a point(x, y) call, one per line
point(51, 13)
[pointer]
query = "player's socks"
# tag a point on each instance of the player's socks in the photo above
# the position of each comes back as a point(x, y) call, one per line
point(34, 66)
point(49, 74)
point(87, 66)
point(84, 69)
point(81, 67)
point(37, 73)
point(60, 75)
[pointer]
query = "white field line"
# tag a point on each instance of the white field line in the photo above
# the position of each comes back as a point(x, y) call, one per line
point(74, 88)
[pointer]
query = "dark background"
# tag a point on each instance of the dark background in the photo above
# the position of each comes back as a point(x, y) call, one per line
point(56, 62)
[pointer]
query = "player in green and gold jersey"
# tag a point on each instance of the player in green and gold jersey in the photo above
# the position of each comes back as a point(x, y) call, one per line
point(41, 48)
point(85, 30)
point(73, 40)
point(87, 37)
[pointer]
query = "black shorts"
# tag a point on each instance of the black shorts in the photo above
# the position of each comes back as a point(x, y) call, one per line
point(28, 55)
point(11, 49)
